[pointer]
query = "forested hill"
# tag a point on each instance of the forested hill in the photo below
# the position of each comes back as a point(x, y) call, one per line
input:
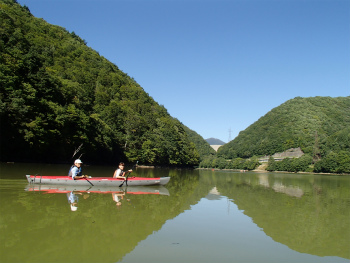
point(58, 94)
point(319, 125)
point(203, 147)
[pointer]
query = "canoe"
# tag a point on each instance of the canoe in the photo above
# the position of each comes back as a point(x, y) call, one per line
point(96, 181)
point(64, 189)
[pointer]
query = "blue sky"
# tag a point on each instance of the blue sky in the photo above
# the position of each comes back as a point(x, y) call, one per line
point(216, 65)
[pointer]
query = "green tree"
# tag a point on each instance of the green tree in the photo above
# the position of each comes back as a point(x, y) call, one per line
point(271, 165)
point(252, 163)
point(334, 163)
point(343, 160)
point(302, 163)
point(221, 163)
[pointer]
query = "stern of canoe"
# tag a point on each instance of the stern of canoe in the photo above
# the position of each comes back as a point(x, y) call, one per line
point(29, 179)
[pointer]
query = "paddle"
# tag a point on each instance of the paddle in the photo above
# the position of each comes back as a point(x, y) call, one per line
point(126, 179)
point(75, 152)
point(88, 181)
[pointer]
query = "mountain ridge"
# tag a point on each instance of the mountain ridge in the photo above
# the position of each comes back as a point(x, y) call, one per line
point(318, 125)
point(214, 141)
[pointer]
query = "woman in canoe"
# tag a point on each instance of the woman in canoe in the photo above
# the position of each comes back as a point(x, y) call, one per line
point(119, 173)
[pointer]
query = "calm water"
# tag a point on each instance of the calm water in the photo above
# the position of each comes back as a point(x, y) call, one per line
point(200, 216)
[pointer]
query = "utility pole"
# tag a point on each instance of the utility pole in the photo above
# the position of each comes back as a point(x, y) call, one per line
point(229, 134)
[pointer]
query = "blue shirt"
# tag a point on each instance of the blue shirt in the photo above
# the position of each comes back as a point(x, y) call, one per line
point(75, 171)
point(72, 198)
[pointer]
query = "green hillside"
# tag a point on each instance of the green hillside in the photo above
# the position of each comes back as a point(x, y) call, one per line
point(56, 94)
point(320, 126)
point(203, 147)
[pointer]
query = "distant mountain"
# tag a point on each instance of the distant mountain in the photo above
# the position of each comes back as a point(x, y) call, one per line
point(318, 125)
point(213, 141)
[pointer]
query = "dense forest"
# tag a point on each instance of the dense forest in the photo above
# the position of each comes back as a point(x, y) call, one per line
point(317, 125)
point(203, 147)
point(57, 94)
point(320, 126)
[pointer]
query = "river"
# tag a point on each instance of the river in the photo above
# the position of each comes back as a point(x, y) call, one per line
point(199, 216)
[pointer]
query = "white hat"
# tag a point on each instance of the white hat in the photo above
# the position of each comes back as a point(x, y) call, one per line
point(73, 208)
point(78, 161)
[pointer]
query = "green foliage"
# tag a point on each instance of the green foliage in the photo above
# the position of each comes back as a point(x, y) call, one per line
point(57, 93)
point(206, 162)
point(290, 164)
point(219, 163)
point(302, 163)
point(271, 165)
point(318, 125)
point(236, 164)
point(334, 163)
point(203, 147)
point(252, 163)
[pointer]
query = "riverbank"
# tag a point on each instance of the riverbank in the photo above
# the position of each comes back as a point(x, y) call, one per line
point(265, 171)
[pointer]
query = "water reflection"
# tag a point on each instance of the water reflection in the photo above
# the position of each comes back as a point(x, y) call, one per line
point(280, 187)
point(134, 190)
point(73, 200)
point(213, 194)
point(307, 216)
point(118, 194)
point(118, 197)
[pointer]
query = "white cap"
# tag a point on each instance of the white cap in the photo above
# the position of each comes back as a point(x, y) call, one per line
point(78, 161)
point(73, 208)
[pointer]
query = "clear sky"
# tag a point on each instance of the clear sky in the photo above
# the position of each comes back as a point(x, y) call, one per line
point(216, 65)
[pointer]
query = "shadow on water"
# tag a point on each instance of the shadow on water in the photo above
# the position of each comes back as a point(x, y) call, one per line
point(309, 214)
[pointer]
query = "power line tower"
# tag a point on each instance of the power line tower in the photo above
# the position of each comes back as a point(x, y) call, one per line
point(229, 134)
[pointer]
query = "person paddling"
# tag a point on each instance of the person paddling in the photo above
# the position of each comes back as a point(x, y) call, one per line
point(119, 173)
point(75, 171)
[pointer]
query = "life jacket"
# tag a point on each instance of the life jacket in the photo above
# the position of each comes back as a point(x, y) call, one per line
point(70, 171)
point(121, 172)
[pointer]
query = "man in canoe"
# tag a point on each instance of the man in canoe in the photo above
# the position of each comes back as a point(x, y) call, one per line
point(75, 171)
point(119, 173)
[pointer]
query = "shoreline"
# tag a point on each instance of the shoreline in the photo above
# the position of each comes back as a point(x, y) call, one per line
point(264, 171)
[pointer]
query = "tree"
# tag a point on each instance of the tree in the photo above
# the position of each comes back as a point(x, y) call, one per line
point(334, 163)
point(271, 165)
